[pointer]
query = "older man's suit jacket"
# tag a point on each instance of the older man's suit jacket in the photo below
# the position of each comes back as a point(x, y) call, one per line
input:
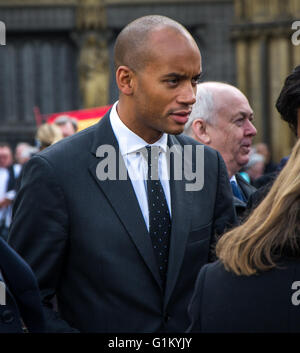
point(247, 190)
point(87, 241)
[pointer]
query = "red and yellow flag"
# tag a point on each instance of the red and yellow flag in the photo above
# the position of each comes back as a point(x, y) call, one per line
point(84, 117)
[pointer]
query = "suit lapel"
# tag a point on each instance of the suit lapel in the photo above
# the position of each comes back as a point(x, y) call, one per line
point(181, 202)
point(120, 194)
point(246, 188)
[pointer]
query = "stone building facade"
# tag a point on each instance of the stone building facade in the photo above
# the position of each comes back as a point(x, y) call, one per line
point(58, 53)
point(265, 56)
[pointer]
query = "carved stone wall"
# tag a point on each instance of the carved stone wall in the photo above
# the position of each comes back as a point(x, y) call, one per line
point(59, 52)
point(38, 64)
point(94, 71)
point(93, 64)
point(265, 56)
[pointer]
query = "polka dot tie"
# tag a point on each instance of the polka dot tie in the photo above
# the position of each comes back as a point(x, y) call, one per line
point(159, 216)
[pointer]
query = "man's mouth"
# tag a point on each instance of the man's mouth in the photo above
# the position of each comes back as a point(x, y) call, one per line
point(246, 148)
point(180, 116)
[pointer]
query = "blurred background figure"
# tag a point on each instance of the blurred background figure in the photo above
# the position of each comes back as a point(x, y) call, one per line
point(67, 124)
point(7, 188)
point(47, 135)
point(23, 153)
point(263, 149)
point(255, 167)
point(258, 268)
point(6, 155)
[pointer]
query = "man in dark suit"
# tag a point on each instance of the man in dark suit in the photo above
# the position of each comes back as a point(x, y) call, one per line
point(222, 119)
point(83, 217)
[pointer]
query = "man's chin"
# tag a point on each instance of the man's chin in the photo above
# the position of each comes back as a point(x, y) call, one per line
point(176, 130)
point(243, 162)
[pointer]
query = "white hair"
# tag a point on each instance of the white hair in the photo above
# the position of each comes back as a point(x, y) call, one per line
point(203, 108)
point(253, 159)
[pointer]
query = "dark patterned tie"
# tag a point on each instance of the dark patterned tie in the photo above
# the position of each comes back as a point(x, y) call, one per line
point(159, 216)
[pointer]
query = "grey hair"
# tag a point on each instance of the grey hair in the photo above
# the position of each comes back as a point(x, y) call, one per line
point(253, 159)
point(63, 119)
point(203, 108)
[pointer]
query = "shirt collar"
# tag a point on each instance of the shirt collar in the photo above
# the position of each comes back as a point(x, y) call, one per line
point(233, 178)
point(128, 141)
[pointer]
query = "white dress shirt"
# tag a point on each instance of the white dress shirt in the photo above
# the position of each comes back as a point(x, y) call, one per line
point(5, 211)
point(4, 176)
point(233, 178)
point(136, 164)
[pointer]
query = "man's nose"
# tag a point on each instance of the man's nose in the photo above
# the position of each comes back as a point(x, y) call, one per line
point(250, 129)
point(187, 95)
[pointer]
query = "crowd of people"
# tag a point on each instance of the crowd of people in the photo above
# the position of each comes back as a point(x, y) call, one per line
point(11, 162)
point(104, 251)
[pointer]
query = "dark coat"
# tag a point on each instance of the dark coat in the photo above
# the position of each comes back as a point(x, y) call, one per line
point(22, 295)
point(267, 182)
point(224, 302)
point(88, 243)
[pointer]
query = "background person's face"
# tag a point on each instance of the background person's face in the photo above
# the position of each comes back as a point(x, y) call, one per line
point(67, 129)
point(5, 157)
point(233, 131)
point(165, 88)
point(256, 170)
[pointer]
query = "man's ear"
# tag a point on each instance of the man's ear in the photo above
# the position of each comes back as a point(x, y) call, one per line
point(199, 127)
point(124, 78)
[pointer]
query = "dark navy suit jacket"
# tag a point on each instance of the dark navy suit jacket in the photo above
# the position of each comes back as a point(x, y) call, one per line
point(268, 302)
point(21, 293)
point(88, 244)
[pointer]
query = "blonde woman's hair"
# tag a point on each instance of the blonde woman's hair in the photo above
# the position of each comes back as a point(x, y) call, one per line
point(271, 231)
point(48, 134)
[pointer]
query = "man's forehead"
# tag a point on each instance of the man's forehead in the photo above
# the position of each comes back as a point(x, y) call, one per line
point(179, 56)
point(164, 37)
point(234, 103)
point(235, 112)
point(165, 31)
point(4, 151)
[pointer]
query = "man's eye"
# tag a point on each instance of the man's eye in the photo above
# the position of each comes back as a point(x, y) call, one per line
point(240, 121)
point(196, 80)
point(172, 81)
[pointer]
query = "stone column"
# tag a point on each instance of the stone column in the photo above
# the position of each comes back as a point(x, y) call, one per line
point(279, 54)
point(93, 63)
point(265, 56)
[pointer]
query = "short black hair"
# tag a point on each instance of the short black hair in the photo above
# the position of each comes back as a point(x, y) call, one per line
point(288, 101)
point(132, 47)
